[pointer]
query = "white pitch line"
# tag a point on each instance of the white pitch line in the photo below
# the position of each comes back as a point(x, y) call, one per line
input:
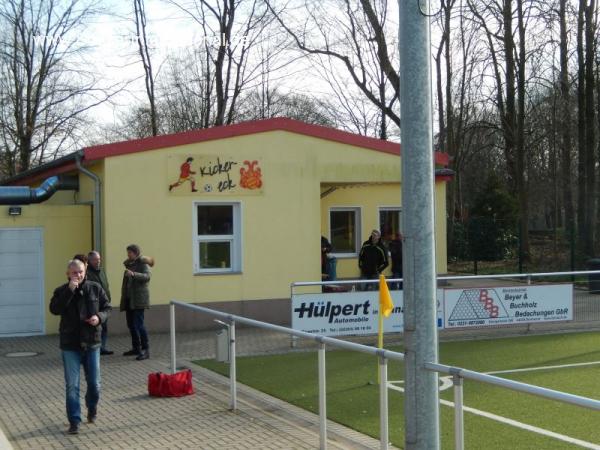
point(517, 424)
point(532, 369)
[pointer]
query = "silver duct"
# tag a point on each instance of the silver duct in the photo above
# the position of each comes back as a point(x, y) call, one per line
point(25, 195)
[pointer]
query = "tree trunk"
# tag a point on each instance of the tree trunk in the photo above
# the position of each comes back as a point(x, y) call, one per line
point(565, 121)
point(581, 147)
point(590, 128)
point(522, 187)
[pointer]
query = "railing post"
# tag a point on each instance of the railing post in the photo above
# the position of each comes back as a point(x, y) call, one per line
point(383, 404)
point(232, 368)
point(459, 425)
point(293, 339)
point(322, 400)
point(172, 332)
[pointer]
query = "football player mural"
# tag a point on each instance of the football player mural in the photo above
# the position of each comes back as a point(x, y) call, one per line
point(185, 174)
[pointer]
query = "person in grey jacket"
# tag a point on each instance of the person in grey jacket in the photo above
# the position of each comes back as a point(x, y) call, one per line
point(96, 273)
point(135, 299)
point(82, 306)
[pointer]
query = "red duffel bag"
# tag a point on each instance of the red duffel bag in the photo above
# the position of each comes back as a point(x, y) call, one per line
point(175, 384)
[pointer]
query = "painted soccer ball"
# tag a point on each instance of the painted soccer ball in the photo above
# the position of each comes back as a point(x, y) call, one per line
point(207, 188)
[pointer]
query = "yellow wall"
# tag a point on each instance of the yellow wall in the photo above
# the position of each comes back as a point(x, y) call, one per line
point(370, 199)
point(281, 225)
point(66, 232)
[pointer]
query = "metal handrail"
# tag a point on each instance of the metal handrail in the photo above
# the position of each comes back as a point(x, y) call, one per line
point(451, 277)
point(231, 319)
point(458, 373)
point(538, 391)
point(303, 334)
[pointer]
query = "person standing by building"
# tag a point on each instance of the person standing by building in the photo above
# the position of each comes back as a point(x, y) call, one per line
point(96, 273)
point(82, 306)
point(396, 257)
point(372, 259)
point(135, 299)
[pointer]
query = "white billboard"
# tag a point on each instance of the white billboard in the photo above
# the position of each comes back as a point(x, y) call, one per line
point(475, 307)
point(348, 313)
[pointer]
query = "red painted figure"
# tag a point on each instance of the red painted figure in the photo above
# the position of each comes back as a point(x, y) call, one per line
point(185, 174)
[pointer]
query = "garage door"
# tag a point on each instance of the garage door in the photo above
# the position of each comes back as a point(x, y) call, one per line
point(21, 282)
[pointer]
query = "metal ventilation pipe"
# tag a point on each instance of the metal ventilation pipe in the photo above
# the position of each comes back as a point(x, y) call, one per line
point(25, 195)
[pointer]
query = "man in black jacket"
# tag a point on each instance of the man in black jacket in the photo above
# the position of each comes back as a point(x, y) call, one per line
point(372, 259)
point(82, 306)
point(96, 273)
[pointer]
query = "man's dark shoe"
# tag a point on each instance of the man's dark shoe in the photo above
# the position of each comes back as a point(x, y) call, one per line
point(145, 354)
point(131, 353)
point(106, 352)
point(91, 417)
point(73, 428)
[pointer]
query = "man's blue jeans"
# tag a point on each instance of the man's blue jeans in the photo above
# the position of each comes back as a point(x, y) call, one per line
point(72, 361)
point(135, 323)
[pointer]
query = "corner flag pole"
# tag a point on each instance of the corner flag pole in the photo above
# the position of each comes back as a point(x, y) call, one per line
point(385, 307)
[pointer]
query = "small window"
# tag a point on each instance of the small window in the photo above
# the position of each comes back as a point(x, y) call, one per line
point(217, 246)
point(344, 230)
point(390, 223)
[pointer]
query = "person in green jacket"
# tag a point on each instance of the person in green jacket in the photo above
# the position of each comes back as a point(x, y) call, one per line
point(135, 299)
point(96, 273)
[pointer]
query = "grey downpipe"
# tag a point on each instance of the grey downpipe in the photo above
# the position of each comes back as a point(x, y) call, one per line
point(97, 203)
point(25, 195)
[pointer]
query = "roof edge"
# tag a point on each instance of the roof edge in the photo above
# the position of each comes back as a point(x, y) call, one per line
point(99, 152)
point(239, 129)
point(55, 167)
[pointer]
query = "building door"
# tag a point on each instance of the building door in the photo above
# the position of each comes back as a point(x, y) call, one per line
point(21, 282)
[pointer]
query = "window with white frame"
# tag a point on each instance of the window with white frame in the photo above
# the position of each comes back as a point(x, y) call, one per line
point(217, 238)
point(344, 231)
point(390, 222)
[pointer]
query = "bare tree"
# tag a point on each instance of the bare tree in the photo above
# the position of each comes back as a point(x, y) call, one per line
point(144, 51)
point(508, 56)
point(232, 30)
point(43, 95)
point(259, 105)
point(355, 36)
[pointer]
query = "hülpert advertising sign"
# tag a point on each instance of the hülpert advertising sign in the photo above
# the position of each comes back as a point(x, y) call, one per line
point(507, 305)
point(348, 313)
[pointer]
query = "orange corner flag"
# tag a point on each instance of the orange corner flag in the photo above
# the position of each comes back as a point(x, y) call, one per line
point(385, 299)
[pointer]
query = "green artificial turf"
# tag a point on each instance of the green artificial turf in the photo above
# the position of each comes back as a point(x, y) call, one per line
point(353, 395)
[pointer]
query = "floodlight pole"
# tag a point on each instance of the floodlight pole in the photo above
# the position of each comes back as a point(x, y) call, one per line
point(421, 407)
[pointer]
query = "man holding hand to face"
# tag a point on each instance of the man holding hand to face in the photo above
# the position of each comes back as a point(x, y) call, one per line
point(83, 306)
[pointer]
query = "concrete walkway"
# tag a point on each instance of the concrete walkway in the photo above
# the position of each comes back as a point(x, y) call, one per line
point(32, 406)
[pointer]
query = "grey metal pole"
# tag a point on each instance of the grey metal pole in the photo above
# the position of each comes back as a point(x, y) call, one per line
point(420, 333)
point(232, 368)
point(97, 201)
point(172, 333)
point(459, 422)
point(322, 399)
point(384, 435)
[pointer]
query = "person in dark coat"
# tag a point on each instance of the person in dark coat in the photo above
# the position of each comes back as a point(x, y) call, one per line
point(96, 273)
point(396, 257)
point(372, 259)
point(82, 306)
point(135, 299)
